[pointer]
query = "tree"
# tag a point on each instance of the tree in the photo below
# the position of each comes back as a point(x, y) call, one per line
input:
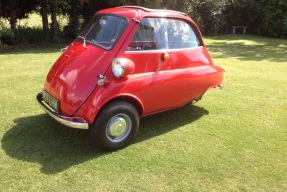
point(0, 9)
point(207, 14)
point(55, 32)
point(273, 17)
point(16, 9)
point(74, 18)
point(12, 14)
point(45, 22)
point(264, 17)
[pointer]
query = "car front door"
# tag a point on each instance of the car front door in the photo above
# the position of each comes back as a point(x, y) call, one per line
point(168, 53)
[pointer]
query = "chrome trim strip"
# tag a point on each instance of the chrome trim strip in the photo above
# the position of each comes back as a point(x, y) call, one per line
point(141, 51)
point(73, 122)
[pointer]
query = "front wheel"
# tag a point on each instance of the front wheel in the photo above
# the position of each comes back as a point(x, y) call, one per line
point(115, 126)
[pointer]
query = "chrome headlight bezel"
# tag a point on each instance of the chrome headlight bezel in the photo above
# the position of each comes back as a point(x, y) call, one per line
point(122, 67)
point(118, 68)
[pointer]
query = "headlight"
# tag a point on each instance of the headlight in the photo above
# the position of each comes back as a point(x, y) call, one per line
point(118, 68)
point(122, 67)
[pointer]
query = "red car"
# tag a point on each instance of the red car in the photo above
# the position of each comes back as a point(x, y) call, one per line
point(128, 62)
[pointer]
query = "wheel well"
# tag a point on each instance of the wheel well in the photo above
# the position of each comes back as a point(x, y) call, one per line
point(130, 100)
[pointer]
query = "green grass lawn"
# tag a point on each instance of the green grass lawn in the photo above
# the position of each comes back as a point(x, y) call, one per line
point(235, 139)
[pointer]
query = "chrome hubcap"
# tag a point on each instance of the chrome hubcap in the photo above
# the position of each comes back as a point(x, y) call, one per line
point(118, 127)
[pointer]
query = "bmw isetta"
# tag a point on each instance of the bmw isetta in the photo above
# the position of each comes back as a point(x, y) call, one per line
point(128, 62)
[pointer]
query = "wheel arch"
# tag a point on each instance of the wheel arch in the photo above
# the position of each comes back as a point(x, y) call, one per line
point(129, 99)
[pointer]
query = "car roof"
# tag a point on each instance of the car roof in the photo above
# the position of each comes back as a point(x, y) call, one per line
point(140, 12)
point(155, 10)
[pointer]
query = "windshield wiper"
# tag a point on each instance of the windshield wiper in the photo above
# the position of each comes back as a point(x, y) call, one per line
point(84, 45)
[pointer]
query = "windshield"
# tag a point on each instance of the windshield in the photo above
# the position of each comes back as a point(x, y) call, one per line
point(104, 30)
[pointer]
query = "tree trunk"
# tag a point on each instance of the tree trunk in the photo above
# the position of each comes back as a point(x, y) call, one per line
point(0, 9)
point(45, 22)
point(13, 14)
point(55, 33)
point(74, 19)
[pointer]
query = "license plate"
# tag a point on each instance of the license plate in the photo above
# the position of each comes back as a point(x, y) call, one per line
point(51, 101)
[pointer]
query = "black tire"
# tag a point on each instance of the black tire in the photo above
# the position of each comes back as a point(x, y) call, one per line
point(115, 126)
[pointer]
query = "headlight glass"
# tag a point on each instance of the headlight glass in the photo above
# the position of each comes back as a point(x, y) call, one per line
point(118, 68)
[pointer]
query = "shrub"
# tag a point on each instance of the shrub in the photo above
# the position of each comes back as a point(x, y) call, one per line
point(22, 35)
point(1, 44)
point(7, 36)
point(29, 35)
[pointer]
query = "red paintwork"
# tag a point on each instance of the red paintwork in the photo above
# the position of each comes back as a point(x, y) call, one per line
point(156, 84)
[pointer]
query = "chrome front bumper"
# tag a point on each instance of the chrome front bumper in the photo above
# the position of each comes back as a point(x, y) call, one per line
point(73, 122)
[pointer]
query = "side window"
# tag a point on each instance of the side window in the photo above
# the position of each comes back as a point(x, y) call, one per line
point(143, 38)
point(181, 35)
point(163, 33)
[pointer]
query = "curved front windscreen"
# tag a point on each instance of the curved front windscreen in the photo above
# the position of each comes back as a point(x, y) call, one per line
point(104, 30)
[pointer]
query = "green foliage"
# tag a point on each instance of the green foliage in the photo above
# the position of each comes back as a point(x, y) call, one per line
point(208, 15)
point(29, 35)
point(22, 35)
point(16, 9)
point(7, 36)
point(274, 17)
point(265, 17)
point(1, 44)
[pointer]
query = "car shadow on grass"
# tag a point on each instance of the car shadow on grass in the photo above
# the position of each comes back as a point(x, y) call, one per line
point(56, 147)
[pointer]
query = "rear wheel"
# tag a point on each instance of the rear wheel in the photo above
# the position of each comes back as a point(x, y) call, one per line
point(115, 126)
